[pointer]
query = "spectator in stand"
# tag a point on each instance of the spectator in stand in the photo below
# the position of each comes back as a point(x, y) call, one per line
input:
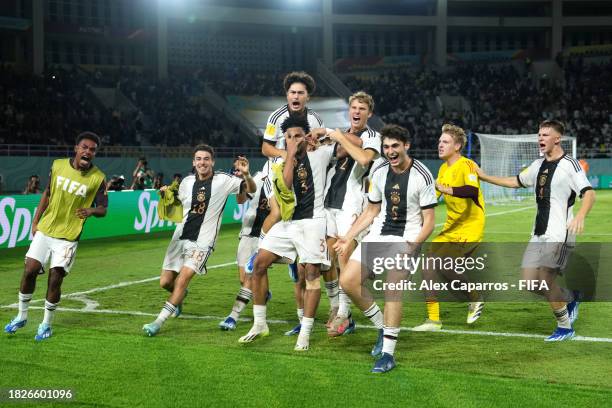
point(32, 185)
point(143, 175)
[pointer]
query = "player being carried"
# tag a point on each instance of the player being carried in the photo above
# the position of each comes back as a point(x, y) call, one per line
point(557, 179)
point(401, 214)
point(301, 234)
point(74, 186)
point(298, 86)
point(463, 230)
point(203, 196)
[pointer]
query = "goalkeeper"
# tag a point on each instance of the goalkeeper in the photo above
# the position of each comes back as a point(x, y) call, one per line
point(463, 230)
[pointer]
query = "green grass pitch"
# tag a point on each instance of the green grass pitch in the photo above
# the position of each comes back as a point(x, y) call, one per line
point(104, 357)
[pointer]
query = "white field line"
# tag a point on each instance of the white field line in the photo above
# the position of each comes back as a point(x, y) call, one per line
point(116, 285)
point(220, 318)
point(500, 213)
point(136, 282)
point(89, 309)
point(602, 234)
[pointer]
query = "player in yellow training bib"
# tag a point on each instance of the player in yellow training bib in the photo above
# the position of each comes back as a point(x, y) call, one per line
point(458, 182)
point(76, 191)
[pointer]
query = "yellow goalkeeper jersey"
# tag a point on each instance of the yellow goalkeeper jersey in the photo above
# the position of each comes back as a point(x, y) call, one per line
point(464, 216)
point(69, 190)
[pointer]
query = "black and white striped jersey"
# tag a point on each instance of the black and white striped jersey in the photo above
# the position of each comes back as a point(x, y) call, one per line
point(402, 197)
point(309, 175)
point(345, 179)
point(273, 133)
point(203, 203)
point(259, 208)
point(556, 185)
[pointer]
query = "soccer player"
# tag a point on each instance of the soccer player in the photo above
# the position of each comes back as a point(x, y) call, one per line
point(463, 230)
point(298, 86)
point(249, 236)
point(203, 196)
point(303, 235)
point(401, 214)
point(76, 191)
point(359, 147)
point(557, 179)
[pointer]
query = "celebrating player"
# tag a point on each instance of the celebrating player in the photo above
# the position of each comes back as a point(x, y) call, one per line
point(249, 236)
point(557, 178)
point(401, 211)
point(298, 86)
point(359, 146)
point(74, 186)
point(464, 226)
point(203, 196)
point(303, 235)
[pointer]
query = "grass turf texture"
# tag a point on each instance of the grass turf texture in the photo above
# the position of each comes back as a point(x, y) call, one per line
point(107, 361)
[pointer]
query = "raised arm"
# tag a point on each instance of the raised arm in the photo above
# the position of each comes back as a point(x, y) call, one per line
point(352, 144)
point(510, 182)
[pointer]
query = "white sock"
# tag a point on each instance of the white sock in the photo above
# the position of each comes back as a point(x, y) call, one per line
point(390, 339)
point(259, 315)
point(24, 303)
point(375, 315)
point(563, 318)
point(304, 337)
point(345, 304)
point(242, 299)
point(332, 293)
point(49, 312)
point(300, 314)
point(168, 310)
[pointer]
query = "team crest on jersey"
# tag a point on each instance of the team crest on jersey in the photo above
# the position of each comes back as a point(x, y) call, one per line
point(542, 179)
point(302, 174)
point(201, 197)
point(395, 197)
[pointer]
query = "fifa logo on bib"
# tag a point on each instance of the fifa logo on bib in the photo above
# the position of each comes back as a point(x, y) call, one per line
point(71, 186)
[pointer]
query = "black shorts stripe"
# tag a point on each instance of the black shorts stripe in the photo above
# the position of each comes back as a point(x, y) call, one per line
point(203, 265)
point(279, 112)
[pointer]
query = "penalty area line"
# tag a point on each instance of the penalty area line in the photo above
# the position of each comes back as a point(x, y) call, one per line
point(286, 322)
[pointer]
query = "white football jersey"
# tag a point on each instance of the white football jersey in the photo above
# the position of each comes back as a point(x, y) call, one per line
point(203, 204)
point(556, 184)
point(309, 175)
point(403, 197)
point(345, 179)
point(273, 133)
point(258, 206)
